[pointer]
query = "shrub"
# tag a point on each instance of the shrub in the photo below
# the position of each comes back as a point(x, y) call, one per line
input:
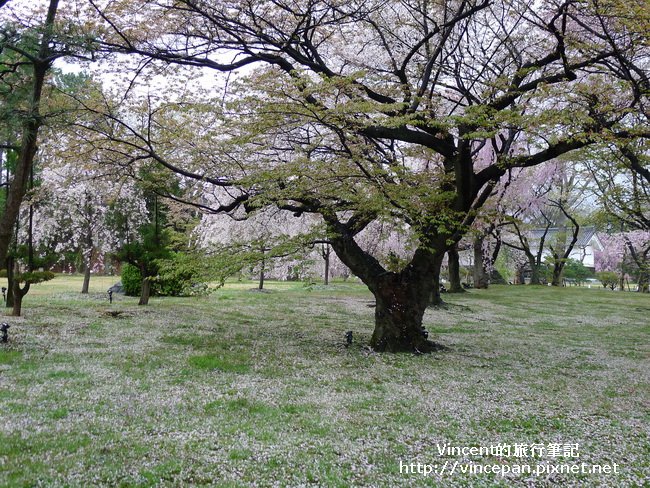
point(131, 280)
point(608, 279)
point(180, 275)
point(575, 270)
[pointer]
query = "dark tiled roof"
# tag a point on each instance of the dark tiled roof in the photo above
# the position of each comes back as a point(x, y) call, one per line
point(585, 235)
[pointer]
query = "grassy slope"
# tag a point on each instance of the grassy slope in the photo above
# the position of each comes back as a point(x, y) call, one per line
point(245, 388)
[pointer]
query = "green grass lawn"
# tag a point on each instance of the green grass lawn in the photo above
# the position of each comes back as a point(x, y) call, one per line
point(243, 388)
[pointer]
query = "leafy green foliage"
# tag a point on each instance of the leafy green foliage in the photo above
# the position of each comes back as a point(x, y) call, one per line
point(608, 279)
point(131, 280)
point(239, 257)
point(158, 250)
point(145, 252)
point(14, 90)
point(575, 270)
point(395, 263)
point(35, 277)
point(181, 275)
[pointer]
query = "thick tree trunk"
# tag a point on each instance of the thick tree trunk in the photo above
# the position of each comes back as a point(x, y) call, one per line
point(18, 293)
point(401, 297)
point(455, 284)
point(16, 309)
point(435, 300)
point(145, 293)
point(398, 316)
point(481, 278)
point(86, 283)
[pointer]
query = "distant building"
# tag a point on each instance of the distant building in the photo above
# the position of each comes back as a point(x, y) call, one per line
point(584, 249)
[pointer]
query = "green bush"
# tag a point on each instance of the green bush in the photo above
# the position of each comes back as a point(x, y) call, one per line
point(575, 270)
point(177, 276)
point(608, 279)
point(180, 275)
point(131, 280)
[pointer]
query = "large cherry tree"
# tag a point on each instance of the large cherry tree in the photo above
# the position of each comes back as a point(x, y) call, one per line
point(365, 110)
